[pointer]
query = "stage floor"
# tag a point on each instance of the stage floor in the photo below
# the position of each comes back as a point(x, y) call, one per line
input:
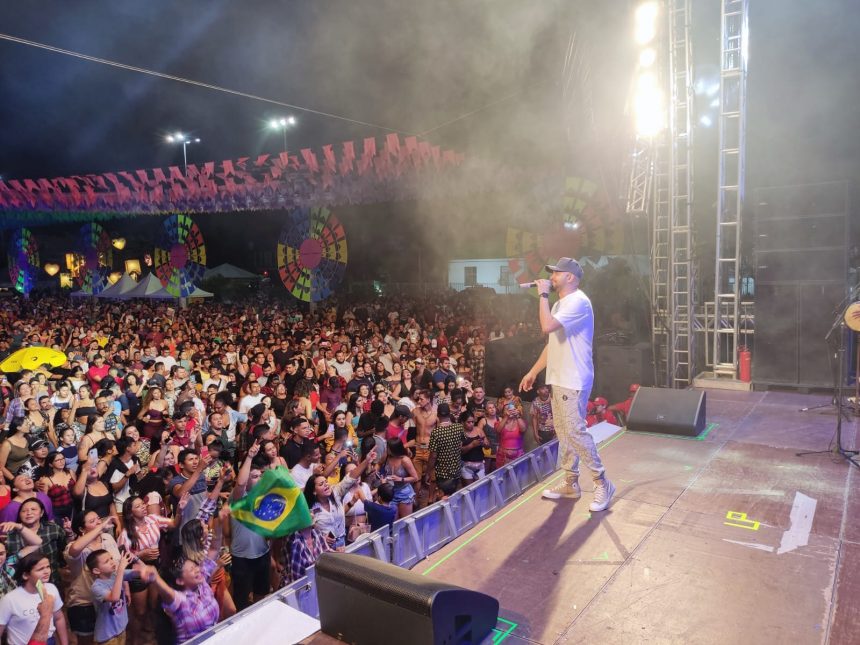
point(727, 538)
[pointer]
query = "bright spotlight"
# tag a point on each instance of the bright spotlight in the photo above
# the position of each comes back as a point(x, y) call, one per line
point(649, 106)
point(282, 123)
point(274, 124)
point(196, 140)
point(169, 138)
point(646, 22)
point(647, 57)
point(291, 120)
point(179, 136)
point(706, 121)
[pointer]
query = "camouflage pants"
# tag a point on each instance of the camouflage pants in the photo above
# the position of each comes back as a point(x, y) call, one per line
point(568, 411)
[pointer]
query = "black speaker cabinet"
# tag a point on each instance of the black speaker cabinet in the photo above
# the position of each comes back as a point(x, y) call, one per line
point(666, 411)
point(507, 360)
point(368, 602)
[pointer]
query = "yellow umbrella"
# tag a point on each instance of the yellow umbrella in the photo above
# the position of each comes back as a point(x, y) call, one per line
point(29, 358)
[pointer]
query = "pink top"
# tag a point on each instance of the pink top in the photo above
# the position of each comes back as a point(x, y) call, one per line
point(510, 437)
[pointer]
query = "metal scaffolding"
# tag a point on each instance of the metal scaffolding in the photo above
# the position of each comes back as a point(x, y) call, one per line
point(681, 109)
point(734, 41)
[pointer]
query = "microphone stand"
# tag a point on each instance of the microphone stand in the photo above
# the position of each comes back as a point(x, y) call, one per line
point(838, 379)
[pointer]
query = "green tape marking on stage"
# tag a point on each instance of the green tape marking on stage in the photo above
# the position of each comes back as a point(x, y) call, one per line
point(700, 437)
point(499, 635)
point(508, 512)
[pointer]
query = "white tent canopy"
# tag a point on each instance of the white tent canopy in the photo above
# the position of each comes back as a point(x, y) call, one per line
point(230, 272)
point(119, 289)
point(147, 286)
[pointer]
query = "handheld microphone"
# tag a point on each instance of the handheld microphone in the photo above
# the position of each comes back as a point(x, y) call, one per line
point(527, 285)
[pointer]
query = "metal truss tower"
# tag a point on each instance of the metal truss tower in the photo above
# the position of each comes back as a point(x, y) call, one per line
point(681, 278)
point(734, 40)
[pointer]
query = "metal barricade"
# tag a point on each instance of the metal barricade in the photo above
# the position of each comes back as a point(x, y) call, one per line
point(374, 545)
point(417, 536)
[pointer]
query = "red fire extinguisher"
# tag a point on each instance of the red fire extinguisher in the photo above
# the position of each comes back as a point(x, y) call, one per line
point(745, 363)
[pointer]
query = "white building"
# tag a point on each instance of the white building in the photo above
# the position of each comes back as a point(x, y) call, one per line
point(493, 273)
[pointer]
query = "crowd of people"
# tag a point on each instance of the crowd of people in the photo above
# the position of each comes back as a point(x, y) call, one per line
point(118, 466)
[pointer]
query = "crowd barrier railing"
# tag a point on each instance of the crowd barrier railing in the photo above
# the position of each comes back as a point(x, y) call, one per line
point(412, 539)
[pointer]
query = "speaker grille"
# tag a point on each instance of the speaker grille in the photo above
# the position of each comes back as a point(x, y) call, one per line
point(380, 579)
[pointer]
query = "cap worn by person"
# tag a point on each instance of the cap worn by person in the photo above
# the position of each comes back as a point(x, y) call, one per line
point(566, 265)
point(402, 411)
point(38, 443)
point(600, 401)
point(443, 411)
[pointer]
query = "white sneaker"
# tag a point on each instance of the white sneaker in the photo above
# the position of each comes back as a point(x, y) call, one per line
point(603, 493)
point(563, 489)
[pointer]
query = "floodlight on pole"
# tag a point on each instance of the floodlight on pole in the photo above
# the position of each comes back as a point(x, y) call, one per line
point(185, 141)
point(645, 29)
point(282, 123)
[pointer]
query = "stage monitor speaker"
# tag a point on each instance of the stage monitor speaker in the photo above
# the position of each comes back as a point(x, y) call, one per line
point(365, 601)
point(666, 411)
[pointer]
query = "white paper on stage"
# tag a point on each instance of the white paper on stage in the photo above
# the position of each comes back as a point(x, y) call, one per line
point(602, 431)
point(273, 622)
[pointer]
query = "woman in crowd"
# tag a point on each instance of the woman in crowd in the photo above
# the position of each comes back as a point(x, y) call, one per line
point(32, 516)
point(15, 451)
point(153, 413)
point(133, 390)
point(488, 421)
point(472, 451)
point(326, 503)
point(23, 488)
point(94, 534)
point(41, 424)
point(141, 536)
point(63, 398)
point(93, 493)
point(510, 432)
point(33, 576)
point(93, 433)
point(508, 397)
point(58, 483)
point(353, 503)
point(268, 457)
point(400, 472)
point(84, 405)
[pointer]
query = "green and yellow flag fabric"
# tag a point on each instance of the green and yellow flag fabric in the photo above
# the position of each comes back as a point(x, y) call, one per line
point(275, 507)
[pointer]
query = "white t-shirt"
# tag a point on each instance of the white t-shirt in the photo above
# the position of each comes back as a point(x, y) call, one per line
point(19, 613)
point(249, 401)
point(124, 493)
point(301, 475)
point(568, 359)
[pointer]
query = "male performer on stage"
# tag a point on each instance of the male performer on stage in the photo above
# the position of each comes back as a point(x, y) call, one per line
point(569, 369)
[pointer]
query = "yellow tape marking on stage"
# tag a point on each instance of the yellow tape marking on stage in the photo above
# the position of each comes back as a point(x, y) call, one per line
point(748, 524)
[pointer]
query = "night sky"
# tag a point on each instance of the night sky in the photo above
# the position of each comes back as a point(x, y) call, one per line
point(406, 67)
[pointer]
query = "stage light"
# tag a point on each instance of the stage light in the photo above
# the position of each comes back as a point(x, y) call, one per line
point(646, 22)
point(647, 57)
point(114, 277)
point(179, 137)
point(169, 138)
point(274, 124)
point(197, 140)
point(132, 267)
point(118, 243)
point(52, 269)
point(291, 120)
point(649, 106)
point(706, 121)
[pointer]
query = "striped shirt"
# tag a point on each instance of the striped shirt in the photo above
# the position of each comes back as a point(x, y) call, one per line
point(148, 534)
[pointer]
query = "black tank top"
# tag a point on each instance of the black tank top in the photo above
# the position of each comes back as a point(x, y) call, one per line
point(474, 454)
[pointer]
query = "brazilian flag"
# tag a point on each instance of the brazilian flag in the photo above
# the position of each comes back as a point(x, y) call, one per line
point(275, 507)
